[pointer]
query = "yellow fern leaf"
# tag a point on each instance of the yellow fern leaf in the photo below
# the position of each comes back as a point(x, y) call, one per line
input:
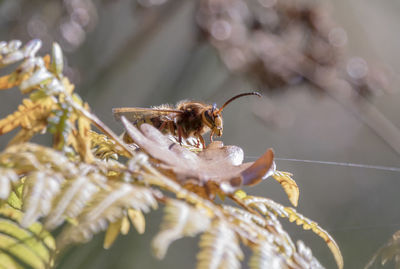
point(288, 185)
point(27, 115)
point(104, 147)
point(266, 206)
point(137, 220)
point(309, 224)
point(112, 233)
point(12, 80)
point(114, 229)
point(83, 143)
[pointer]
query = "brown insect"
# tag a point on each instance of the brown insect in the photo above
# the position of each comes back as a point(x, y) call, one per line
point(187, 119)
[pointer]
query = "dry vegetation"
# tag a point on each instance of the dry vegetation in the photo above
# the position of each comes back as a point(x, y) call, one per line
point(89, 182)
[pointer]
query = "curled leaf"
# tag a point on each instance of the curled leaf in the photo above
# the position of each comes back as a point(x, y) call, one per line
point(219, 164)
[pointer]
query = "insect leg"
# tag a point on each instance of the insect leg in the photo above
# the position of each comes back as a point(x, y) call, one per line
point(163, 125)
point(203, 143)
point(171, 127)
point(180, 134)
point(211, 136)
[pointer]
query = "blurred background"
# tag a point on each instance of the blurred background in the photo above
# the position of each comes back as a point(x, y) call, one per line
point(327, 71)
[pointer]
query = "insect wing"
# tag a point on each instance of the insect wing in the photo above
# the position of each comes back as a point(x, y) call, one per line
point(138, 114)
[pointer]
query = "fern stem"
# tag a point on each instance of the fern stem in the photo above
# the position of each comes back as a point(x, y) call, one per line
point(102, 127)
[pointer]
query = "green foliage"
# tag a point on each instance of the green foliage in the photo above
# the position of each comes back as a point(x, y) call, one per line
point(24, 247)
point(81, 187)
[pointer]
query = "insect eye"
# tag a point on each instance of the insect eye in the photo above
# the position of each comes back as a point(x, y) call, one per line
point(208, 116)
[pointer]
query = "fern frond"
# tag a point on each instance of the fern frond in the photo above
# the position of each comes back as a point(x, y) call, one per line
point(21, 247)
point(39, 190)
point(219, 247)
point(7, 178)
point(137, 219)
point(288, 185)
point(304, 258)
point(103, 147)
point(389, 251)
point(74, 195)
point(28, 114)
point(309, 224)
point(180, 220)
point(266, 255)
point(266, 206)
point(113, 231)
point(24, 135)
point(260, 230)
point(107, 205)
point(83, 146)
point(28, 157)
point(11, 52)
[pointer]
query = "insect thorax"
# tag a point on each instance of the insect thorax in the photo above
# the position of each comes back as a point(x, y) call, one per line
point(190, 120)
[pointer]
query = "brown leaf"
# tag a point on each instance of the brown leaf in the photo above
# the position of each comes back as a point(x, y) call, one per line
point(218, 164)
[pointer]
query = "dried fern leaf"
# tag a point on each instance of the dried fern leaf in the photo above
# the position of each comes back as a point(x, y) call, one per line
point(288, 185)
point(266, 206)
point(112, 233)
point(125, 226)
point(7, 178)
point(24, 135)
point(40, 76)
point(28, 157)
point(103, 147)
point(219, 247)
point(11, 80)
point(21, 247)
point(266, 255)
point(304, 259)
point(39, 191)
point(27, 115)
point(107, 206)
point(180, 220)
point(389, 251)
point(260, 230)
point(114, 229)
point(83, 139)
point(137, 220)
point(309, 224)
point(73, 197)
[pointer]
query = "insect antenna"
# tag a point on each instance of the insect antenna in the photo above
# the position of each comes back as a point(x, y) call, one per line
point(236, 97)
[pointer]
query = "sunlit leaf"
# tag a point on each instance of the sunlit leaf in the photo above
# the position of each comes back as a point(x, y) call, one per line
point(112, 233)
point(21, 247)
point(179, 220)
point(219, 248)
point(289, 186)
